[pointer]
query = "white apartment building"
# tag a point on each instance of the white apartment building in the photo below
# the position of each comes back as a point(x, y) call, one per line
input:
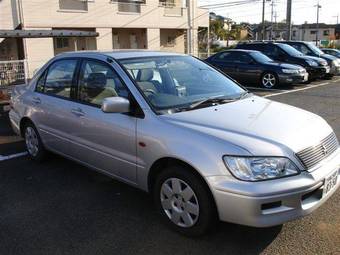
point(167, 25)
point(307, 32)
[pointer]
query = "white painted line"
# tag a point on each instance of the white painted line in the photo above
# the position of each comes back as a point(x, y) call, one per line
point(21, 154)
point(297, 90)
point(265, 89)
point(336, 81)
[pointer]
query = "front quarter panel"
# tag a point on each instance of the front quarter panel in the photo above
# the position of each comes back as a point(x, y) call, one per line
point(204, 153)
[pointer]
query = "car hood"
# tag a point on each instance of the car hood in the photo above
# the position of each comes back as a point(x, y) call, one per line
point(305, 57)
point(258, 125)
point(284, 65)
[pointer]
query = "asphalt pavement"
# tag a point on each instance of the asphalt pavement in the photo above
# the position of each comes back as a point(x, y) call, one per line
point(60, 207)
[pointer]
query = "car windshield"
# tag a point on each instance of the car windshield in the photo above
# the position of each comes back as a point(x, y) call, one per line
point(290, 50)
point(260, 57)
point(177, 83)
point(315, 49)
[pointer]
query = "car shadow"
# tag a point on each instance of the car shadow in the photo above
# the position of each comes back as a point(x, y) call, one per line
point(60, 207)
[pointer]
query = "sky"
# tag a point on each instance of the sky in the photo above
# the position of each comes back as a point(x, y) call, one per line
point(302, 11)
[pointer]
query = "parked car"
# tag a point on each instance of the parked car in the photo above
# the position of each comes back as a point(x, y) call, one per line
point(333, 52)
point(171, 125)
point(316, 67)
point(248, 66)
point(309, 49)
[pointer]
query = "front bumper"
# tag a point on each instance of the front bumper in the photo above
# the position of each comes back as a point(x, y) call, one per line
point(293, 78)
point(318, 72)
point(270, 203)
point(335, 70)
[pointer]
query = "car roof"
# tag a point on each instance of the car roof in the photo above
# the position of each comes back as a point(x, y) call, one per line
point(120, 54)
point(240, 50)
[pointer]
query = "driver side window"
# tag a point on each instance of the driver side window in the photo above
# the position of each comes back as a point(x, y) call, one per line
point(98, 81)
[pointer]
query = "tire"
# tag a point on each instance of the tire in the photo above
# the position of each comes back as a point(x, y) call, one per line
point(34, 145)
point(269, 80)
point(191, 212)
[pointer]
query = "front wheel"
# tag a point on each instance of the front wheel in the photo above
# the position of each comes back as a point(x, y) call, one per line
point(269, 80)
point(33, 142)
point(184, 201)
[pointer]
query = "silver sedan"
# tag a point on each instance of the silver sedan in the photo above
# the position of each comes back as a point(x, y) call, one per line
point(171, 125)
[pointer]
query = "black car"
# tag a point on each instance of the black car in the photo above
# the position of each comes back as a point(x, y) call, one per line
point(249, 66)
point(309, 49)
point(316, 67)
point(333, 52)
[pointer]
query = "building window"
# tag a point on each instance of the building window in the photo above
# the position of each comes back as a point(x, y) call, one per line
point(171, 41)
point(313, 32)
point(62, 43)
point(326, 32)
point(294, 33)
point(133, 6)
point(73, 5)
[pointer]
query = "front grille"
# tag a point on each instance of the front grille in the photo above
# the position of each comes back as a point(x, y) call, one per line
point(311, 156)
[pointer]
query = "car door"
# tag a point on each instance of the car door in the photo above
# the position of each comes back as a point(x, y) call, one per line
point(247, 70)
point(53, 101)
point(225, 62)
point(105, 141)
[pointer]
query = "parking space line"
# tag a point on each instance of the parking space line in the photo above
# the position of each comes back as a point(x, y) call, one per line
point(264, 89)
point(297, 90)
point(17, 155)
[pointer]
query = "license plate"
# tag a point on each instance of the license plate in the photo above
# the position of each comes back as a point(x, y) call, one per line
point(330, 182)
point(327, 70)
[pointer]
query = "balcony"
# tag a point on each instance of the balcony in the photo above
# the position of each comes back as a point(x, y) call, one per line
point(129, 6)
point(73, 5)
point(171, 7)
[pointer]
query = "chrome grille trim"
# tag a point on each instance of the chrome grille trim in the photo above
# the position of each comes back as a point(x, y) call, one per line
point(313, 155)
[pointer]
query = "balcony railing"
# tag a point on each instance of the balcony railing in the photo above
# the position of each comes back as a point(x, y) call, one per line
point(132, 6)
point(171, 8)
point(73, 5)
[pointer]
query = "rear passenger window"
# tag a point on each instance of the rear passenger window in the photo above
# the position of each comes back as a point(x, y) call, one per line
point(59, 78)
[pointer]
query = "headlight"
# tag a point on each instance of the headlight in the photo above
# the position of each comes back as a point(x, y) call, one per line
point(336, 62)
point(291, 71)
point(260, 168)
point(312, 63)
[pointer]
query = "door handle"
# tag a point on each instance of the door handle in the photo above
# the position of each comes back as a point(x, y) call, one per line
point(36, 100)
point(78, 112)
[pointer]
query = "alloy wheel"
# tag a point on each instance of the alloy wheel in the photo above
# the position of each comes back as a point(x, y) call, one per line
point(179, 202)
point(269, 80)
point(32, 142)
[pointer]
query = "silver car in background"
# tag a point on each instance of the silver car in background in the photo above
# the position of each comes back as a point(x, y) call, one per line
point(171, 125)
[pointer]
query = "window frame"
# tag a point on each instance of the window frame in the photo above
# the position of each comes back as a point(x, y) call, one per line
point(73, 83)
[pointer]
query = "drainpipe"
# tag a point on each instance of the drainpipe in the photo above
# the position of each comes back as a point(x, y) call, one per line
point(189, 37)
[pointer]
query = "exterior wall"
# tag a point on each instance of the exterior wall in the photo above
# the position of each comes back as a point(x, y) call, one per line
point(104, 40)
point(9, 14)
point(38, 52)
point(302, 34)
point(153, 38)
point(105, 14)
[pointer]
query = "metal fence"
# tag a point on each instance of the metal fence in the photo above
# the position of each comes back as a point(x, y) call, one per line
point(13, 72)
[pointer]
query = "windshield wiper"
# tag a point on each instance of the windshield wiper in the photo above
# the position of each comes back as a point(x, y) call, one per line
point(244, 95)
point(211, 100)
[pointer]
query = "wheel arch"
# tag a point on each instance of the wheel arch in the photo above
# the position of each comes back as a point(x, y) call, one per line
point(162, 163)
point(23, 123)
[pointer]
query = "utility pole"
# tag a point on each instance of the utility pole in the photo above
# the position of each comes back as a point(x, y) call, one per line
point(337, 19)
point(263, 11)
point(189, 32)
point(271, 21)
point(289, 20)
point(318, 7)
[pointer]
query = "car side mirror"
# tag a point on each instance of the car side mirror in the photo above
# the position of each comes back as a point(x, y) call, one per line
point(116, 105)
